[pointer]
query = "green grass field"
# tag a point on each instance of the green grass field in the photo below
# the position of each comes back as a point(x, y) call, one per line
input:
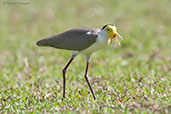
point(132, 78)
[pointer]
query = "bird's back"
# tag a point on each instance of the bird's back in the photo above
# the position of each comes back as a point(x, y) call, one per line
point(73, 39)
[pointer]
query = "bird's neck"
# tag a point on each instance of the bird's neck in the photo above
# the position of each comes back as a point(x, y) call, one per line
point(103, 36)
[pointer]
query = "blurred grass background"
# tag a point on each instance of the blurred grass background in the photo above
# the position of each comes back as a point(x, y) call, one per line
point(131, 78)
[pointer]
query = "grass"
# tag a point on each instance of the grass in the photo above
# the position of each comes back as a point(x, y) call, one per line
point(131, 78)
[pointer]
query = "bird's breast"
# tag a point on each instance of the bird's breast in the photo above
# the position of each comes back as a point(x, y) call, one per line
point(100, 43)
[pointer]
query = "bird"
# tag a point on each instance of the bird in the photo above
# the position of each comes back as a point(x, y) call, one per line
point(82, 40)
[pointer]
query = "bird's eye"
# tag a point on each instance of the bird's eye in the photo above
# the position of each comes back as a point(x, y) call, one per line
point(107, 29)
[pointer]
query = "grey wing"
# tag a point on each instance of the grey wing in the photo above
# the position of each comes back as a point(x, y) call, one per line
point(73, 39)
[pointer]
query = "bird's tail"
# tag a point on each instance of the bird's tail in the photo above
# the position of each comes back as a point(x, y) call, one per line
point(43, 42)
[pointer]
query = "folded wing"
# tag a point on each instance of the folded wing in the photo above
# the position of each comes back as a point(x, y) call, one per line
point(73, 39)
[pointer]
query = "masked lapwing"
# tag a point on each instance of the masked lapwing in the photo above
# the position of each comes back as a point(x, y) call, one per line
point(82, 41)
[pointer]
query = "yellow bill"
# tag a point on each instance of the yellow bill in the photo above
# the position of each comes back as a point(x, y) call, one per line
point(115, 39)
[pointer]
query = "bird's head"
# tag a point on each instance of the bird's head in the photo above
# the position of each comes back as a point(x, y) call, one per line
point(112, 33)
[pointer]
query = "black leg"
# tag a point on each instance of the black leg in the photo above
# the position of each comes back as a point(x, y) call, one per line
point(86, 77)
point(64, 72)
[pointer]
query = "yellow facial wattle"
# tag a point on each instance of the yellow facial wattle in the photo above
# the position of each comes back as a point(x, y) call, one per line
point(111, 30)
point(110, 36)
